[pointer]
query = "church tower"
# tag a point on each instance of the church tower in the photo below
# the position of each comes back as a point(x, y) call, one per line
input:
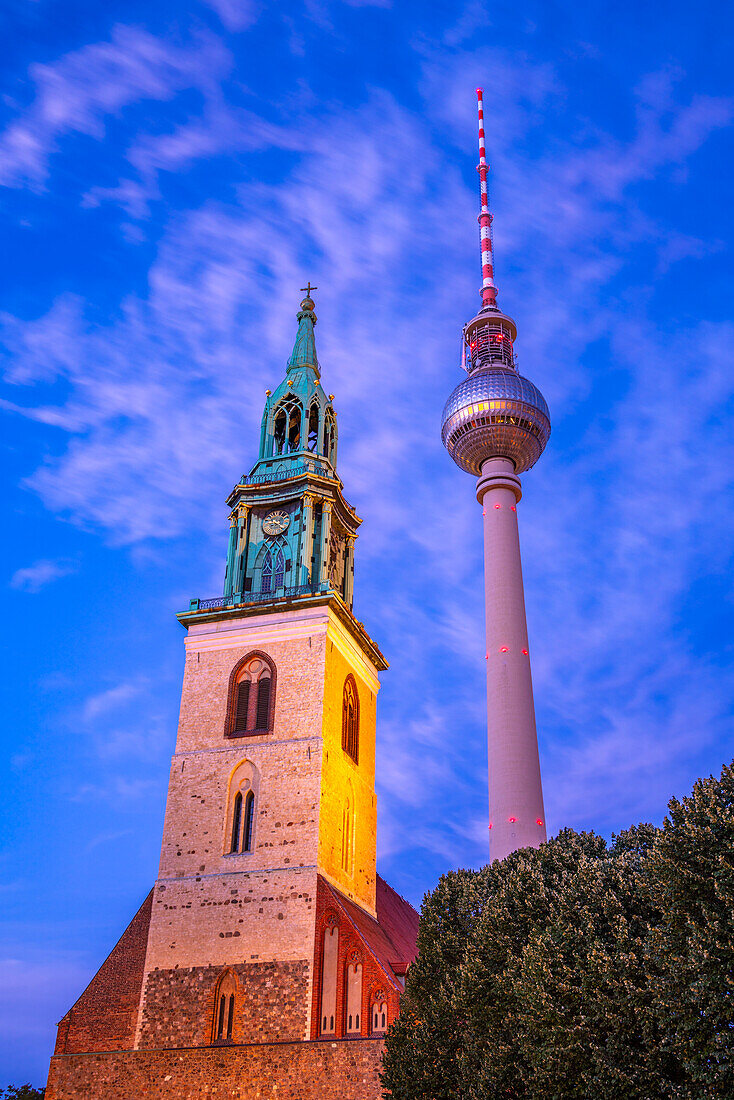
point(268, 937)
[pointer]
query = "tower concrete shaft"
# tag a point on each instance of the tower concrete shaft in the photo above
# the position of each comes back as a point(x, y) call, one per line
point(516, 813)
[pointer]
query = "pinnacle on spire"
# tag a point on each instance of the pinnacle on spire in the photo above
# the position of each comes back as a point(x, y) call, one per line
point(489, 290)
point(304, 348)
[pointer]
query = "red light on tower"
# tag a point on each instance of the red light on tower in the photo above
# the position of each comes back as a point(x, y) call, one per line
point(504, 649)
point(538, 821)
point(512, 819)
point(498, 505)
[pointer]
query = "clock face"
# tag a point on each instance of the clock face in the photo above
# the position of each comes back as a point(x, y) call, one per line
point(275, 523)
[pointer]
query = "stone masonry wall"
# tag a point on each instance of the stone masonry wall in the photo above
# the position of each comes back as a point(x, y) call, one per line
point(341, 1070)
point(270, 1005)
point(218, 920)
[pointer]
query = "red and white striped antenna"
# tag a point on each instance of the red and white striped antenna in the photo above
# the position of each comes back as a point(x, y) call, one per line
point(489, 290)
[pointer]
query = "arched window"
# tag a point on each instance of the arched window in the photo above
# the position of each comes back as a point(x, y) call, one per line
point(243, 813)
point(294, 428)
point(329, 434)
point(251, 696)
point(329, 966)
point(236, 823)
point(379, 1017)
point(279, 427)
point(354, 998)
point(267, 574)
point(239, 824)
point(313, 427)
point(350, 719)
point(279, 570)
point(224, 1009)
point(287, 425)
point(273, 570)
point(247, 823)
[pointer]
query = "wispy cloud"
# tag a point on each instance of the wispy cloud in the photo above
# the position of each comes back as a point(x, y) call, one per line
point(160, 406)
point(109, 701)
point(77, 93)
point(32, 578)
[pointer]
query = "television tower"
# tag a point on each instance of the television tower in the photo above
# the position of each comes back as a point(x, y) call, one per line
point(495, 425)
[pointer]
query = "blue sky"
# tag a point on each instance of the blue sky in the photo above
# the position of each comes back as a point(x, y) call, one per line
point(171, 175)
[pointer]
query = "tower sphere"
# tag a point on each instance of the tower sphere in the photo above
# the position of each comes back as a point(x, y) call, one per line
point(493, 413)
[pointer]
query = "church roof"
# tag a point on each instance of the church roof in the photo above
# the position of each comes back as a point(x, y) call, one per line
point(392, 937)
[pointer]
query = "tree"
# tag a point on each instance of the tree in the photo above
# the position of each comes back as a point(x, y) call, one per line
point(580, 969)
point(22, 1092)
point(692, 950)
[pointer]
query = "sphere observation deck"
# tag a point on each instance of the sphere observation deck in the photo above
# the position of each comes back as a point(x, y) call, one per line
point(493, 413)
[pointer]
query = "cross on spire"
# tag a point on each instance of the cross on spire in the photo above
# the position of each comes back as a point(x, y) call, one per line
point(308, 289)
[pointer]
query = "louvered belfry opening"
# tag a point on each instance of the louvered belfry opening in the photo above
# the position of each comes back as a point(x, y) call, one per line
point(350, 719)
point(251, 698)
point(243, 703)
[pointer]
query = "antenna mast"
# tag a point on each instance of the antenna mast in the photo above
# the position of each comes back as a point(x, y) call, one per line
point(489, 290)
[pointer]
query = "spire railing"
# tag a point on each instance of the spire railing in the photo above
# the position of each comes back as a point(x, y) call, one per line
point(317, 468)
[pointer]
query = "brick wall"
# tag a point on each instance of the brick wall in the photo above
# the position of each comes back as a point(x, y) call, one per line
point(374, 978)
point(105, 1016)
point(334, 1070)
point(270, 1005)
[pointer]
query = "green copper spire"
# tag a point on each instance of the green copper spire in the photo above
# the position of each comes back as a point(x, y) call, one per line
point(304, 349)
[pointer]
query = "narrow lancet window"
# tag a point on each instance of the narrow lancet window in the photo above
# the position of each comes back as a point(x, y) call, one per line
point(249, 815)
point(313, 427)
point(279, 431)
point(350, 719)
point(267, 579)
point(279, 570)
point(294, 429)
point(224, 1005)
point(237, 821)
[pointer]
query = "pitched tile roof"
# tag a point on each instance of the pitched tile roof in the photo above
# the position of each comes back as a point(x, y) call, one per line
point(392, 937)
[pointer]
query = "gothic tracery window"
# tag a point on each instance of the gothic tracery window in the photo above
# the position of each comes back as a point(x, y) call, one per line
point(251, 698)
point(224, 1009)
point(313, 427)
point(329, 436)
point(243, 812)
point(239, 824)
point(273, 570)
point(287, 426)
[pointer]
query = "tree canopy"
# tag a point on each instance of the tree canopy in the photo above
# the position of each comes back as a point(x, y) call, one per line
point(580, 969)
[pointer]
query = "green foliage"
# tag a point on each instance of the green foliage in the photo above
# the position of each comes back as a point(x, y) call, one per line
point(580, 969)
point(692, 950)
point(22, 1092)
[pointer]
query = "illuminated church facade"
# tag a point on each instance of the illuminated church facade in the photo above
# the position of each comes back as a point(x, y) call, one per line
point(269, 957)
